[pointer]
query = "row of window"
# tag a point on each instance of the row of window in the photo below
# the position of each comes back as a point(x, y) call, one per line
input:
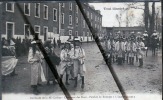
point(10, 29)
point(10, 8)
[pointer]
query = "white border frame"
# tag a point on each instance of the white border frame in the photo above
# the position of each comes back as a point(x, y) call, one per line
point(77, 33)
point(63, 20)
point(29, 29)
point(39, 29)
point(38, 9)
point(29, 5)
point(44, 30)
point(46, 13)
point(70, 6)
point(7, 22)
point(13, 7)
point(63, 5)
point(70, 19)
point(83, 23)
point(76, 8)
point(53, 14)
point(69, 32)
point(77, 20)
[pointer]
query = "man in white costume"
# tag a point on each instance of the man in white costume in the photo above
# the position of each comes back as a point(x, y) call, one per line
point(120, 48)
point(131, 48)
point(78, 56)
point(66, 61)
point(111, 48)
point(140, 51)
point(37, 74)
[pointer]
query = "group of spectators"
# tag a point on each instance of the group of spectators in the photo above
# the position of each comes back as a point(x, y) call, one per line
point(21, 47)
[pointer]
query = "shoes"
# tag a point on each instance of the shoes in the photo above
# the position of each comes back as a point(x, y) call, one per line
point(36, 91)
point(82, 86)
point(67, 83)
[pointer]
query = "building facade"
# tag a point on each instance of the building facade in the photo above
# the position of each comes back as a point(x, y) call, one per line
point(60, 20)
point(42, 16)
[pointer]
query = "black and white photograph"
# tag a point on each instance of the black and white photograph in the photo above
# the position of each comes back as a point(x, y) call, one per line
point(74, 50)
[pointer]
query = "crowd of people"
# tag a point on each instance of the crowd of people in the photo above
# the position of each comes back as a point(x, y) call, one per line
point(70, 62)
point(21, 47)
point(132, 48)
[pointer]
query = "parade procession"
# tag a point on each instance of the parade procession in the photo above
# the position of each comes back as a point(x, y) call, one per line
point(69, 59)
point(132, 49)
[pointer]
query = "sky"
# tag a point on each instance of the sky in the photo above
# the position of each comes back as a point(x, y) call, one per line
point(110, 10)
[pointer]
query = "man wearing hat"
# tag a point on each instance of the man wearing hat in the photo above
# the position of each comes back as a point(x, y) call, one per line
point(154, 41)
point(111, 47)
point(37, 74)
point(66, 61)
point(140, 51)
point(145, 40)
point(78, 56)
point(120, 48)
point(131, 48)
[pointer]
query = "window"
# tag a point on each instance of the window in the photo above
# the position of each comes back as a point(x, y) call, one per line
point(76, 33)
point(76, 9)
point(63, 5)
point(91, 15)
point(70, 6)
point(88, 14)
point(26, 30)
point(62, 18)
point(87, 33)
point(10, 7)
point(45, 12)
point(45, 31)
point(70, 20)
point(27, 9)
point(83, 34)
point(77, 20)
point(83, 23)
point(70, 32)
point(37, 10)
point(37, 29)
point(55, 30)
point(10, 29)
point(54, 14)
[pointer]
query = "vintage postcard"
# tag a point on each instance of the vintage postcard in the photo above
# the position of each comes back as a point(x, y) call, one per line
point(78, 50)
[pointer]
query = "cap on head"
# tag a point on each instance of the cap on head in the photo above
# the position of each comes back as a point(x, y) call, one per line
point(77, 40)
point(33, 42)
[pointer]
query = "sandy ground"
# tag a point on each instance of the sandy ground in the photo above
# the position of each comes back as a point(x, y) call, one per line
point(139, 83)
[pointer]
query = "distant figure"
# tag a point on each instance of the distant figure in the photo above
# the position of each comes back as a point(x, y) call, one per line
point(54, 43)
point(59, 42)
point(120, 48)
point(81, 40)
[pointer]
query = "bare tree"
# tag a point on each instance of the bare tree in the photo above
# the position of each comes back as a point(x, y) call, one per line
point(152, 19)
point(119, 19)
point(146, 15)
